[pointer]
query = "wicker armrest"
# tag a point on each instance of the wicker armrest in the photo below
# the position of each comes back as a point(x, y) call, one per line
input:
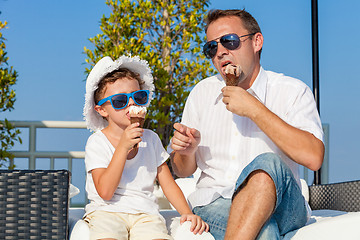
point(34, 204)
point(344, 196)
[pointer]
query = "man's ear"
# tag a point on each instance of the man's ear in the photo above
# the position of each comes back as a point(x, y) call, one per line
point(258, 41)
point(101, 111)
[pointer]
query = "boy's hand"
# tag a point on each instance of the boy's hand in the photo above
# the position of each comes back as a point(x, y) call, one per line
point(185, 140)
point(197, 224)
point(131, 136)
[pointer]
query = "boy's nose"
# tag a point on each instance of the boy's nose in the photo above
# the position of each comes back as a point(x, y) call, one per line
point(131, 101)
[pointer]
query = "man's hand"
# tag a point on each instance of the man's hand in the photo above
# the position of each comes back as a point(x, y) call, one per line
point(240, 102)
point(185, 140)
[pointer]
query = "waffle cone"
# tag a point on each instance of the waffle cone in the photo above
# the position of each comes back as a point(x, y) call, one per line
point(233, 73)
point(137, 119)
point(231, 81)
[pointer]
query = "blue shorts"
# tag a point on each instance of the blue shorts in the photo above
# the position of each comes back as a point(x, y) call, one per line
point(290, 210)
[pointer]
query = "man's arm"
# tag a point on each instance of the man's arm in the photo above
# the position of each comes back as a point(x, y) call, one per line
point(184, 144)
point(301, 146)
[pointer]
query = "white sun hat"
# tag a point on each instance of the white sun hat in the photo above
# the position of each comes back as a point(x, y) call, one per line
point(94, 120)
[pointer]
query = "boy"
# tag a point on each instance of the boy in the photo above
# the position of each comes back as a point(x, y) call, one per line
point(122, 159)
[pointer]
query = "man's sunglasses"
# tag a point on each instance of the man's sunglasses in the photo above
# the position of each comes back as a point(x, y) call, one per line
point(121, 100)
point(229, 41)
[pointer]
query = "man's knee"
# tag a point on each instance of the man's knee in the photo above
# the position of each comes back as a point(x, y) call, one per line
point(259, 178)
point(269, 161)
point(258, 181)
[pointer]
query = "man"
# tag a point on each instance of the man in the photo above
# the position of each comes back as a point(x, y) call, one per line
point(248, 140)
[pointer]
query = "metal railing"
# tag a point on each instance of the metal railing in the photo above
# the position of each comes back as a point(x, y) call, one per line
point(32, 154)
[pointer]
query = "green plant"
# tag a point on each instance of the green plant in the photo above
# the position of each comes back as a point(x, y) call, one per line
point(8, 133)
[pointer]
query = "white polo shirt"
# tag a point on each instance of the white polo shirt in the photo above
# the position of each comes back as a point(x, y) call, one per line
point(230, 142)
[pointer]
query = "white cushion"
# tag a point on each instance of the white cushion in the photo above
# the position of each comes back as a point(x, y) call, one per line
point(182, 232)
point(329, 225)
point(323, 224)
point(79, 229)
point(187, 186)
point(75, 215)
point(304, 189)
point(73, 191)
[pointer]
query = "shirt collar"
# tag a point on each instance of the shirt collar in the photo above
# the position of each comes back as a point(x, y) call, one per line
point(258, 88)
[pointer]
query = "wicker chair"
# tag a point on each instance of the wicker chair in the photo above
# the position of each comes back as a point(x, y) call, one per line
point(344, 196)
point(34, 204)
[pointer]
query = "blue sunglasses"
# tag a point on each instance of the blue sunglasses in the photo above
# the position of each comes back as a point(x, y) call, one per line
point(121, 100)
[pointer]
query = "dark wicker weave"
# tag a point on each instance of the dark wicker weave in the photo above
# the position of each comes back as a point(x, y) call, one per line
point(343, 196)
point(34, 204)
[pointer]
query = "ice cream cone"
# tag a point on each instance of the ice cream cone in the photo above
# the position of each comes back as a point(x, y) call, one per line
point(140, 120)
point(232, 73)
point(137, 114)
point(231, 81)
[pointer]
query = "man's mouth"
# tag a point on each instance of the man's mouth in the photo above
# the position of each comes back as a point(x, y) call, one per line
point(225, 64)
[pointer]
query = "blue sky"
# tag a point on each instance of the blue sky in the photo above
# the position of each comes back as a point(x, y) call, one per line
point(45, 41)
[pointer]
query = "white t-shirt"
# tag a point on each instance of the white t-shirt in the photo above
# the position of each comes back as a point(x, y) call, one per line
point(135, 191)
point(230, 142)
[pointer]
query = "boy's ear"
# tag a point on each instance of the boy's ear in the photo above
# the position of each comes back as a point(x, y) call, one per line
point(101, 111)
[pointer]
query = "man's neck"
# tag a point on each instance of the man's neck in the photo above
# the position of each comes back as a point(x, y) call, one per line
point(249, 81)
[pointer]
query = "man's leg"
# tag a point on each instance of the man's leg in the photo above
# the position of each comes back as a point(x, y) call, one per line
point(270, 230)
point(287, 209)
point(251, 207)
point(216, 215)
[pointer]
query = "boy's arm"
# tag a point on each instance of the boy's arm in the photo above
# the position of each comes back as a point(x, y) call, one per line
point(106, 180)
point(176, 197)
point(172, 191)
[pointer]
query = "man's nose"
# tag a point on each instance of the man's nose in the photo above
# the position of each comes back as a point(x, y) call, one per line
point(221, 50)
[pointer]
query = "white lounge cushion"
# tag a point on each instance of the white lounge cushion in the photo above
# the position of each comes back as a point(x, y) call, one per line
point(79, 229)
point(329, 225)
point(73, 191)
point(323, 224)
point(182, 232)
